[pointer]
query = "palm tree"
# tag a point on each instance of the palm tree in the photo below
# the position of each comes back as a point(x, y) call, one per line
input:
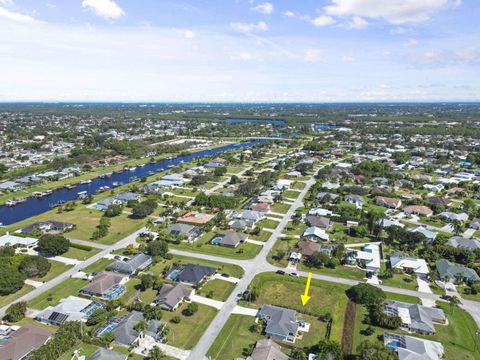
point(453, 301)
point(156, 354)
point(457, 227)
point(141, 327)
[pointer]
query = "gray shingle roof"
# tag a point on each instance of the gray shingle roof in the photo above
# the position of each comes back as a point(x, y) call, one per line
point(138, 262)
point(104, 354)
point(280, 321)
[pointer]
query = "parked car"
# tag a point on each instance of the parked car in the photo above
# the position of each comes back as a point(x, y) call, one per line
point(225, 275)
point(280, 272)
point(294, 274)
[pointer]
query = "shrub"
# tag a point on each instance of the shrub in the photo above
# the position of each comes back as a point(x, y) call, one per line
point(16, 312)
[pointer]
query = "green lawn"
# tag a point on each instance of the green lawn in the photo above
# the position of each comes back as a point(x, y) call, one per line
point(56, 269)
point(456, 337)
point(291, 229)
point(401, 281)
point(284, 246)
point(290, 194)
point(298, 185)
point(219, 289)
point(80, 254)
point(261, 236)
point(203, 245)
point(6, 299)
point(268, 223)
point(326, 297)
point(340, 271)
point(85, 349)
point(281, 208)
point(98, 266)
point(230, 269)
point(186, 334)
point(54, 295)
point(235, 340)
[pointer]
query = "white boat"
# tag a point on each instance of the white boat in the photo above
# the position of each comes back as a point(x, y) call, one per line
point(86, 182)
point(132, 168)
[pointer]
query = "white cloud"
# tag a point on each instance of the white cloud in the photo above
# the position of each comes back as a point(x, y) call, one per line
point(468, 54)
point(313, 56)
point(288, 13)
point(348, 59)
point(15, 16)
point(108, 9)
point(358, 23)
point(243, 56)
point(248, 27)
point(6, 2)
point(323, 20)
point(188, 34)
point(400, 31)
point(265, 8)
point(393, 11)
point(411, 42)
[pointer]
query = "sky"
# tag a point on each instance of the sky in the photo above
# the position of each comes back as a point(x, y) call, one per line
point(239, 50)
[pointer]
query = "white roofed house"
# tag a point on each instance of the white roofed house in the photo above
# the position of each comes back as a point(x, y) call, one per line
point(402, 262)
point(430, 235)
point(17, 241)
point(367, 256)
point(315, 234)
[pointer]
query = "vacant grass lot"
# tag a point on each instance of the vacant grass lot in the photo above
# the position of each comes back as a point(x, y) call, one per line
point(80, 254)
point(268, 223)
point(340, 271)
point(163, 265)
point(281, 208)
point(219, 289)
point(186, 334)
point(298, 185)
point(290, 194)
point(326, 298)
point(203, 245)
point(291, 229)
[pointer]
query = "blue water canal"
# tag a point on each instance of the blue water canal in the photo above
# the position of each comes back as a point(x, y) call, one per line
point(35, 206)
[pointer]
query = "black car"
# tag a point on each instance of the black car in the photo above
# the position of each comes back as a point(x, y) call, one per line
point(280, 272)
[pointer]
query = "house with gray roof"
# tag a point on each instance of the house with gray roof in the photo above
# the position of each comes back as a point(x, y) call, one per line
point(460, 242)
point(10, 186)
point(137, 263)
point(415, 318)
point(449, 271)
point(47, 227)
point(105, 354)
point(282, 323)
point(267, 349)
point(171, 296)
point(188, 232)
point(106, 285)
point(321, 222)
point(413, 348)
point(125, 333)
point(356, 200)
point(250, 217)
point(191, 274)
point(229, 239)
point(127, 196)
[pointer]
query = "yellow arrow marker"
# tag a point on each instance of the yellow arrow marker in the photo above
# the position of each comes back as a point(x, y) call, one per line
point(305, 296)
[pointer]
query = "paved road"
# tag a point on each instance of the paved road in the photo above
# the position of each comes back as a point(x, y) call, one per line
point(252, 267)
point(130, 239)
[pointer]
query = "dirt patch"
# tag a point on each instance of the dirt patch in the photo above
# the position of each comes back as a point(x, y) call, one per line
point(348, 327)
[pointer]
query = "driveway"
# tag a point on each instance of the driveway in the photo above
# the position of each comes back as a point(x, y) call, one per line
point(206, 301)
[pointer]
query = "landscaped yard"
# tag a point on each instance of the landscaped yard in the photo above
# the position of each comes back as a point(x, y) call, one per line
point(55, 294)
point(326, 298)
point(235, 340)
point(401, 281)
point(186, 334)
point(56, 269)
point(457, 337)
point(230, 269)
point(218, 289)
point(4, 300)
